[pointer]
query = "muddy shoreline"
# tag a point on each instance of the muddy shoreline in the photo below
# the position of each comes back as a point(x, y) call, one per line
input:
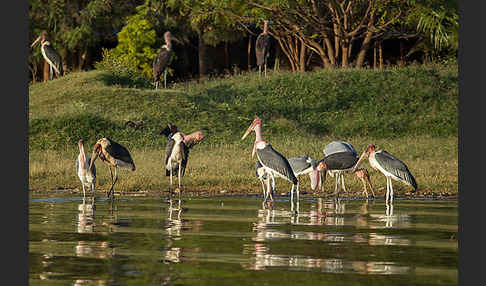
point(213, 193)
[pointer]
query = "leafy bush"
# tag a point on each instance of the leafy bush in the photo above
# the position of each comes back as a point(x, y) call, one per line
point(122, 70)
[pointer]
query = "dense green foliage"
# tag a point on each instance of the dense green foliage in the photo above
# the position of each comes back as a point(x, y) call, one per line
point(414, 100)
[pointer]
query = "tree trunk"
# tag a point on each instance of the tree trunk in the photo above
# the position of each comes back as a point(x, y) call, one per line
point(374, 54)
point(364, 49)
point(330, 51)
point(344, 54)
point(46, 71)
point(203, 63)
point(249, 53)
point(303, 50)
point(380, 54)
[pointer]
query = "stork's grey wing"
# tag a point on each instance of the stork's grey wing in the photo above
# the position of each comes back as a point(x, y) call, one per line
point(300, 163)
point(161, 62)
point(395, 166)
point(272, 159)
point(185, 157)
point(54, 57)
point(339, 146)
point(93, 168)
point(118, 151)
point(260, 49)
point(340, 161)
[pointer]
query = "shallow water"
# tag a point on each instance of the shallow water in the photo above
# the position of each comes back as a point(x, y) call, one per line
point(232, 240)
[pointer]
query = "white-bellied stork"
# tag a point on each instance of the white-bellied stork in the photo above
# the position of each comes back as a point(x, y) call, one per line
point(177, 151)
point(86, 174)
point(113, 154)
point(348, 154)
point(162, 60)
point(274, 163)
point(50, 54)
point(262, 48)
point(389, 166)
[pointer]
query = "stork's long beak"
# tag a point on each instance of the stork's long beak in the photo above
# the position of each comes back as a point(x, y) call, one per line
point(315, 179)
point(254, 150)
point(250, 128)
point(363, 156)
point(35, 42)
point(93, 158)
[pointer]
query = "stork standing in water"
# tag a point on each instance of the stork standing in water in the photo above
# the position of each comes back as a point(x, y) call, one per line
point(115, 155)
point(274, 163)
point(50, 54)
point(348, 154)
point(263, 177)
point(161, 61)
point(305, 164)
point(86, 174)
point(262, 48)
point(177, 151)
point(389, 166)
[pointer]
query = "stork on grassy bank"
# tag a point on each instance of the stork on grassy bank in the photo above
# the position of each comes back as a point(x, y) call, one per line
point(50, 54)
point(177, 151)
point(392, 168)
point(262, 49)
point(274, 163)
point(113, 154)
point(162, 60)
point(336, 165)
point(86, 170)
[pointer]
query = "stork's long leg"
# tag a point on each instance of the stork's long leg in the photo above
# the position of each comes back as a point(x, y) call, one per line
point(387, 189)
point(263, 187)
point(156, 84)
point(165, 78)
point(170, 172)
point(265, 193)
point(391, 190)
point(369, 182)
point(50, 72)
point(111, 192)
point(179, 177)
point(336, 186)
point(84, 192)
point(265, 70)
point(342, 179)
point(111, 174)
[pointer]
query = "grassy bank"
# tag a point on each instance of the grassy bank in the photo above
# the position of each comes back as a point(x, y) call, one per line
point(411, 112)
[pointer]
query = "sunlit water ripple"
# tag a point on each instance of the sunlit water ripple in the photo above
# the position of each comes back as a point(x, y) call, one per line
point(240, 241)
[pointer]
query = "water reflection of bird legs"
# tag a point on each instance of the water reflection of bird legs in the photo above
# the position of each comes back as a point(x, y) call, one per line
point(389, 215)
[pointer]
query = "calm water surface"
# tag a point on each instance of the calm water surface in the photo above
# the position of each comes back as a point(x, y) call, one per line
point(238, 241)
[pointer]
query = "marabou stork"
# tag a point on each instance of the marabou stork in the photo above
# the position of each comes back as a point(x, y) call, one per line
point(86, 174)
point(389, 166)
point(274, 163)
point(115, 155)
point(305, 164)
point(262, 48)
point(50, 54)
point(177, 151)
point(161, 61)
point(262, 176)
point(348, 154)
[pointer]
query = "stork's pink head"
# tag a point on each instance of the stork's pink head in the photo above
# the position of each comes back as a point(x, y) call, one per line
point(256, 122)
point(371, 148)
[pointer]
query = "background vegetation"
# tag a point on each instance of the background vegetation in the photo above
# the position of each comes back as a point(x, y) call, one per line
point(410, 112)
point(219, 36)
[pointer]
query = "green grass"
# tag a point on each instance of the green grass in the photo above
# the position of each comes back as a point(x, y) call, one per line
point(412, 112)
